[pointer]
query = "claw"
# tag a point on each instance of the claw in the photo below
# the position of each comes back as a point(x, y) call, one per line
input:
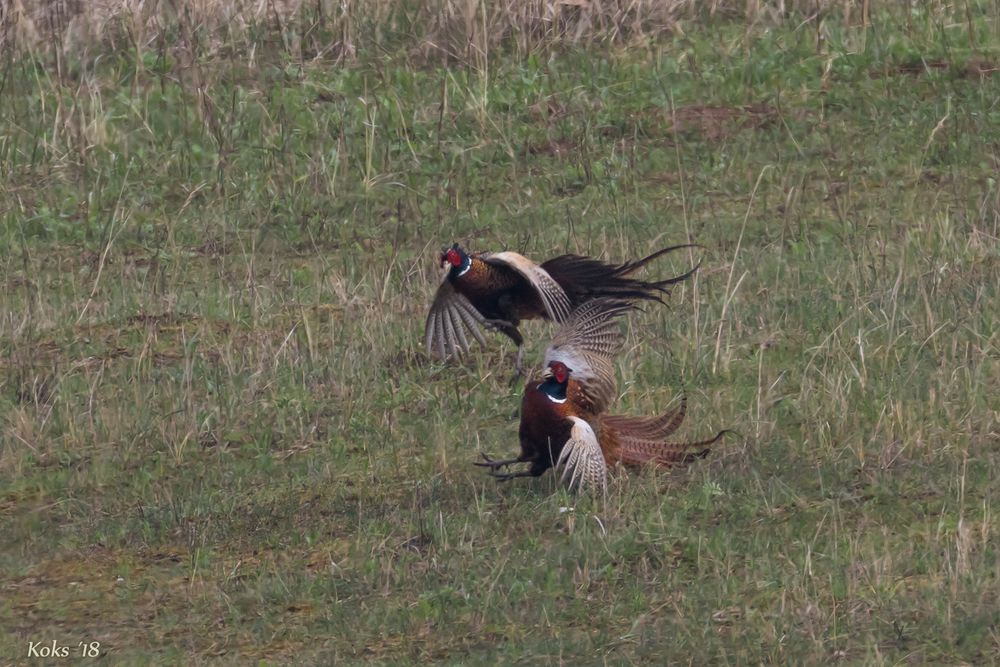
point(507, 476)
point(493, 464)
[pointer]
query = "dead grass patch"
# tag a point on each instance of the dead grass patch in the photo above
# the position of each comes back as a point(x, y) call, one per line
point(450, 30)
point(976, 68)
point(715, 123)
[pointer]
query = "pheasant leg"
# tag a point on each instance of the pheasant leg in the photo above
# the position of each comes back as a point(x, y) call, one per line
point(518, 366)
point(503, 326)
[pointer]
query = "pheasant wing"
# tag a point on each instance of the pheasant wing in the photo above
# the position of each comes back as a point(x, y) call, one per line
point(586, 344)
point(553, 297)
point(582, 461)
point(450, 317)
point(592, 329)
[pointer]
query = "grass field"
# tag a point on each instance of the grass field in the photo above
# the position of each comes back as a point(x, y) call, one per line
point(221, 438)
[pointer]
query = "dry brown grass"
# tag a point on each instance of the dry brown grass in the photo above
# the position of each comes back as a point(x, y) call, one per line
point(452, 29)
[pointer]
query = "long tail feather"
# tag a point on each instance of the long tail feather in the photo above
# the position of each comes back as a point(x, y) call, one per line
point(635, 445)
point(649, 428)
point(585, 278)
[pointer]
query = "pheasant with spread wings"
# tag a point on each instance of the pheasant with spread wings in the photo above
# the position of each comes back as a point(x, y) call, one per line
point(563, 420)
point(499, 290)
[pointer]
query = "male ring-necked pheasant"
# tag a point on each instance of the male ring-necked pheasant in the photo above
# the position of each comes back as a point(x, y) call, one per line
point(498, 290)
point(563, 420)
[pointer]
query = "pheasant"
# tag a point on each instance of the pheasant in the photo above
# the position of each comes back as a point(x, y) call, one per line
point(563, 420)
point(498, 290)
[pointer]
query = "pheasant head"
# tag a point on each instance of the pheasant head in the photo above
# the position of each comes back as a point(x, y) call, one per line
point(454, 256)
point(559, 372)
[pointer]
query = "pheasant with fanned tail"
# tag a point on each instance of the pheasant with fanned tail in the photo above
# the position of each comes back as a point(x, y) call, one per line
point(563, 420)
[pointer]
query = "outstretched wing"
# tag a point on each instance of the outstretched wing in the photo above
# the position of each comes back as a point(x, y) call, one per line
point(553, 297)
point(582, 460)
point(592, 329)
point(450, 317)
point(586, 344)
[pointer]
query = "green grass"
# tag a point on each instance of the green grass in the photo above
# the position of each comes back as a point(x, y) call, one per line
point(221, 440)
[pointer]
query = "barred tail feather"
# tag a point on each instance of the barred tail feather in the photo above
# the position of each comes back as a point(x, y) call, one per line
point(649, 428)
point(635, 450)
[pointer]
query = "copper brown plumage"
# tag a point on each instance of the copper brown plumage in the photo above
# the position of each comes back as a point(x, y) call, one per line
point(499, 290)
point(563, 420)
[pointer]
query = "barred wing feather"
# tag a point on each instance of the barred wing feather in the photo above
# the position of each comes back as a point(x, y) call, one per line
point(592, 329)
point(582, 460)
point(586, 345)
point(451, 316)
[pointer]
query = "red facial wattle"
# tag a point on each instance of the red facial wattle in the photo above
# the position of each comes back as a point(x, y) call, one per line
point(560, 372)
point(453, 258)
